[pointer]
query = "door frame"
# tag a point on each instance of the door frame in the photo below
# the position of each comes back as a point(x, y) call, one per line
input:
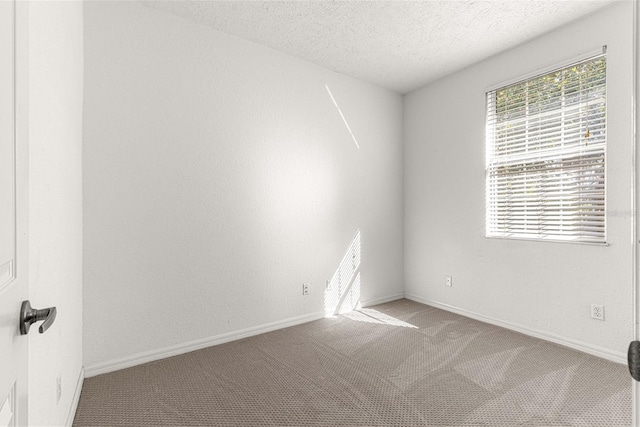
point(21, 144)
point(635, 400)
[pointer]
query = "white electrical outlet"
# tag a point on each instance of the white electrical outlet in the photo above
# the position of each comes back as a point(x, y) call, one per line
point(597, 311)
point(58, 388)
point(306, 287)
point(448, 281)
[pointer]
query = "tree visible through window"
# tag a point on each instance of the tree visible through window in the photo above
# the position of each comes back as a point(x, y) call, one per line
point(545, 164)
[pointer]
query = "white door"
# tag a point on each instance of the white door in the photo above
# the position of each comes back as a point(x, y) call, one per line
point(13, 251)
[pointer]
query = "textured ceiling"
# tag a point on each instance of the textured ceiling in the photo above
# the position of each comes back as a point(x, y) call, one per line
point(400, 45)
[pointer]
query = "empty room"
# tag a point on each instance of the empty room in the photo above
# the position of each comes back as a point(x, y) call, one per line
point(319, 213)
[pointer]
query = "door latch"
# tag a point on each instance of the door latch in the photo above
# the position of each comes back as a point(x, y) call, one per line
point(29, 315)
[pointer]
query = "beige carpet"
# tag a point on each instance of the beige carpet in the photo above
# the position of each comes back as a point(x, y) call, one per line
point(396, 364)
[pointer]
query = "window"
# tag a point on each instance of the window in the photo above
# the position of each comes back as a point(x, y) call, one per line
point(545, 164)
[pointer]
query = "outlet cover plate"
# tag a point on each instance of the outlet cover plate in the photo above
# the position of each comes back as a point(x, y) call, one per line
point(597, 311)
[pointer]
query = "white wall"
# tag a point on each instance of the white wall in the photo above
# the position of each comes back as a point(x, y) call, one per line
point(540, 287)
point(55, 205)
point(218, 177)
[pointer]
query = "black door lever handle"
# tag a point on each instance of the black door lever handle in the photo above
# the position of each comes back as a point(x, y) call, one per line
point(29, 316)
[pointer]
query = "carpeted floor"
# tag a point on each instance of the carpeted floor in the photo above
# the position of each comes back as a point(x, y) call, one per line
point(397, 364)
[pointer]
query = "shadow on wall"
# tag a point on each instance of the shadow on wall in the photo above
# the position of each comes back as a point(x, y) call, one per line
point(342, 115)
point(342, 294)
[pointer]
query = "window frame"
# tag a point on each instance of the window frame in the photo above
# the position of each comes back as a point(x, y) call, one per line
point(592, 55)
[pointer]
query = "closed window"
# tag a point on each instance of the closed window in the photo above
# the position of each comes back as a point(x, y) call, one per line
point(545, 156)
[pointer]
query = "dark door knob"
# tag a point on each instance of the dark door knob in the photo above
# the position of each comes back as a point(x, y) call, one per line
point(29, 315)
point(633, 356)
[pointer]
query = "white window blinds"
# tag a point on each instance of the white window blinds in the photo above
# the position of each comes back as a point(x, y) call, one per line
point(545, 164)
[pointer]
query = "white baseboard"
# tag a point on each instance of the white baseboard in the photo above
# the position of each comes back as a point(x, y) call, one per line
point(76, 399)
point(584, 347)
point(162, 353)
point(382, 300)
point(153, 355)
